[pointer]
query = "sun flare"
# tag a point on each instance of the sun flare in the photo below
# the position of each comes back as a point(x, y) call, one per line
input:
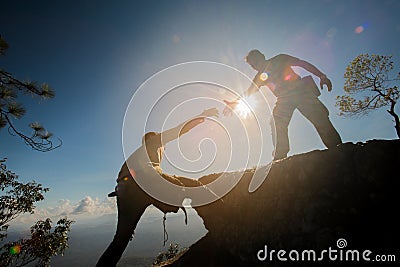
point(245, 106)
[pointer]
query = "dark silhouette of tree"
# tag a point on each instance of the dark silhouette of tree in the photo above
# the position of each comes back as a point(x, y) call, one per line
point(370, 85)
point(10, 108)
point(16, 197)
point(164, 257)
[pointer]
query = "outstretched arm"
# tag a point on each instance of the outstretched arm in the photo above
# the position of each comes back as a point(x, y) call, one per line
point(253, 88)
point(186, 126)
point(314, 70)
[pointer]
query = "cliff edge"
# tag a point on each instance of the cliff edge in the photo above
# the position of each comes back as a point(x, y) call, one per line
point(310, 201)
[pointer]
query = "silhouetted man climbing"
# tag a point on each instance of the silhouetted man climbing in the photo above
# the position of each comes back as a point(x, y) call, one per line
point(292, 92)
point(132, 201)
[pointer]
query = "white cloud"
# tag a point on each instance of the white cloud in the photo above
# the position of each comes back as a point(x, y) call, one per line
point(95, 206)
point(84, 208)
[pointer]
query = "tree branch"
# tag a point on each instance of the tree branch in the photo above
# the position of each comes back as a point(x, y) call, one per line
point(396, 118)
point(369, 102)
point(44, 145)
point(18, 84)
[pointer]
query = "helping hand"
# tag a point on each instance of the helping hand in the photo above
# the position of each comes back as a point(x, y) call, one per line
point(211, 112)
point(229, 106)
point(326, 81)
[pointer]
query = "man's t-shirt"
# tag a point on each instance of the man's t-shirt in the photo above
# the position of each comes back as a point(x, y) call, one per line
point(279, 76)
point(147, 158)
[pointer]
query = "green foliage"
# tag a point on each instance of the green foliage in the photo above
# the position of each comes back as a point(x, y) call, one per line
point(10, 108)
point(369, 85)
point(172, 252)
point(16, 197)
point(43, 244)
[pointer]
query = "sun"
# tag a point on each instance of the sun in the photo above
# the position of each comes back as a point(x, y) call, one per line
point(245, 106)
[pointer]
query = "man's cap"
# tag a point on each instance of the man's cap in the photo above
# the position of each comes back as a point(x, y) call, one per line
point(112, 194)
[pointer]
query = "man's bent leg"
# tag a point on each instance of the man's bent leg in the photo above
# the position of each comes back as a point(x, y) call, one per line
point(316, 112)
point(282, 114)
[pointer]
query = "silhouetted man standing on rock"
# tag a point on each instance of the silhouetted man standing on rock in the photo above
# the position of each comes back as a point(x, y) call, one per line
point(132, 200)
point(292, 92)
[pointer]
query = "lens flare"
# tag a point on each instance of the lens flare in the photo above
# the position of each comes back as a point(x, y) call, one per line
point(264, 76)
point(359, 29)
point(14, 250)
point(245, 106)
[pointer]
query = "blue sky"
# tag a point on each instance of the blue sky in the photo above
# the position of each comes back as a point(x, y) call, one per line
point(95, 54)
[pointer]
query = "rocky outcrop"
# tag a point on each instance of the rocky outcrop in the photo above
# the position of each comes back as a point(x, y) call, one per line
point(308, 201)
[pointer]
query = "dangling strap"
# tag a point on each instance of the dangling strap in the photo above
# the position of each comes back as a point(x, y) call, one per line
point(184, 211)
point(165, 230)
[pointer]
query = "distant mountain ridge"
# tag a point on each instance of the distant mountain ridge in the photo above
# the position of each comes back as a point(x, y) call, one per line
point(88, 240)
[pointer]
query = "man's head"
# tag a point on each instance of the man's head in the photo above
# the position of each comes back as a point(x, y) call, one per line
point(255, 59)
point(147, 137)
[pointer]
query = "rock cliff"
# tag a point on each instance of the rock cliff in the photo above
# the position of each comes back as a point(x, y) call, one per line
point(308, 201)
